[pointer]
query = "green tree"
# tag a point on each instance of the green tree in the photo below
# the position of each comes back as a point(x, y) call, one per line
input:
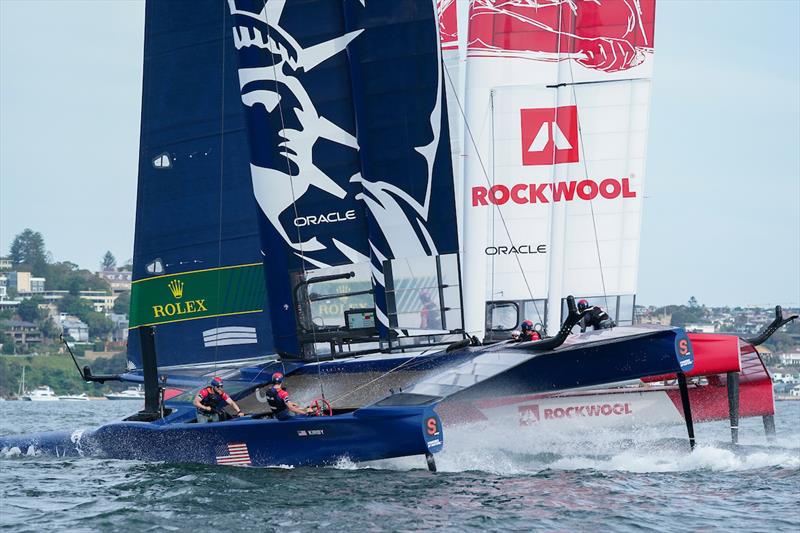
point(99, 325)
point(74, 305)
point(109, 262)
point(123, 303)
point(58, 275)
point(75, 286)
point(49, 328)
point(29, 309)
point(27, 248)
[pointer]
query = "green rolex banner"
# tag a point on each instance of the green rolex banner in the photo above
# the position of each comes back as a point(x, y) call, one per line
point(199, 294)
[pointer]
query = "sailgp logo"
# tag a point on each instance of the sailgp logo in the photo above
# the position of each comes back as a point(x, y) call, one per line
point(549, 135)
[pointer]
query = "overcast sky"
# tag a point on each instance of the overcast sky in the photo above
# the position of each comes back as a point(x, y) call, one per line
point(722, 209)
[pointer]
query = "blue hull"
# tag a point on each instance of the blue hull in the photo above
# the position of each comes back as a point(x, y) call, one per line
point(364, 435)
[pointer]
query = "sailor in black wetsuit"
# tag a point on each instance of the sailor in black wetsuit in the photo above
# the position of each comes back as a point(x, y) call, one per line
point(593, 317)
point(278, 399)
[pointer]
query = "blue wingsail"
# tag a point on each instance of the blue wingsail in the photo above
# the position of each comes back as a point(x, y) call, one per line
point(197, 267)
point(349, 142)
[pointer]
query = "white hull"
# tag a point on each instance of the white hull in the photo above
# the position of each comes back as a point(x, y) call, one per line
point(75, 398)
point(40, 398)
point(41, 394)
point(130, 394)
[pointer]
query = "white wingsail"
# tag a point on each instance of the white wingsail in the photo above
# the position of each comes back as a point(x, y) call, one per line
point(557, 110)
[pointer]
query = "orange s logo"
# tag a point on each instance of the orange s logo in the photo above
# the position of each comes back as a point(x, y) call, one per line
point(433, 427)
point(683, 347)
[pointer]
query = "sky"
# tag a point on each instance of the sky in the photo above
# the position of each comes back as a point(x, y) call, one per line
point(722, 195)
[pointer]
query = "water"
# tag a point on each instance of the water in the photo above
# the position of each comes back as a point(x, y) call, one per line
point(642, 481)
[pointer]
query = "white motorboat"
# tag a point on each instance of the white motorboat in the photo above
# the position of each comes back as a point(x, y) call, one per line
point(41, 394)
point(133, 393)
point(82, 397)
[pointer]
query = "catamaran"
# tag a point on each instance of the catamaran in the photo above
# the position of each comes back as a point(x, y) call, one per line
point(297, 212)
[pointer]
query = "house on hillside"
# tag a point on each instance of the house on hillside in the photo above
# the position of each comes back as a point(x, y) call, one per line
point(120, 331)
point(25, 334)
point(119, 281)
point(75, 328)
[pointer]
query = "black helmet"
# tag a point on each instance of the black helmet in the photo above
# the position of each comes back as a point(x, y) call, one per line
point(583, 305)
point(526, 325)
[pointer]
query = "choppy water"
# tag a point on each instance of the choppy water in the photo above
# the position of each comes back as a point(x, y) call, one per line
point(644, 481)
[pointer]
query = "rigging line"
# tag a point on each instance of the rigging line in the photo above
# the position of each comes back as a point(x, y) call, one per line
point(221, 174)
point(486, 178)
point(591, 202)
point(291, 186)
point(405, 363)
point(494, 175)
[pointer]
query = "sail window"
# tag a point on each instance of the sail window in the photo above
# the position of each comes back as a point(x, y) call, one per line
point(502, 316)
point(156, 266)
point(162, 161)
point(619, 307)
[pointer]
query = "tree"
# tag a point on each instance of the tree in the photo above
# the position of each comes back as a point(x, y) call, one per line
point(74, 305)
point(109, 262)
point(28, 249)
point(99, 325)
point(123, 303)
point(29, 309)
point(49, 328)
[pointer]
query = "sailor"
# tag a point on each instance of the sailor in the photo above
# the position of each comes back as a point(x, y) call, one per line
point(429, 316)
point(527, 333)
point(278, 399)
point(211, 401)
point(593, 317)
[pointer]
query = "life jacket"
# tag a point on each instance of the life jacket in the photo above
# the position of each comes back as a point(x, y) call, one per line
point(598, 319)
point(276, 401)
point(529, 336)
point(213, 400)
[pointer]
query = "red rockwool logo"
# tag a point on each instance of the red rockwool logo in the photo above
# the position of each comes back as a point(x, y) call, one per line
point(544, 193)
point(550, 135)
point(529, 414)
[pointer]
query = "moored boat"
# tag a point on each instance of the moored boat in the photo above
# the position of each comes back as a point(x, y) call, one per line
point(131, 393)
point(82, 397)
point(42, 393)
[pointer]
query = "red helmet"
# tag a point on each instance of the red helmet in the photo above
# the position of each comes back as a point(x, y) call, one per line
point(277, 377)
point(216, 381)
point(583, 305)
point(526, 325)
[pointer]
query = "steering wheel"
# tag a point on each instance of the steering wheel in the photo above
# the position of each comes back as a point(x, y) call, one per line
point(321, 407)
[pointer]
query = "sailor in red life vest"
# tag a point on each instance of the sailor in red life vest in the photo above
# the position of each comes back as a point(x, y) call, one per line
point(429, 316)
point(527, 333)
point(211, 401)
point(278, 398)
point(593, 317)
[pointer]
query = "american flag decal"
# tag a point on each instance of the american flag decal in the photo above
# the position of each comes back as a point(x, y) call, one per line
point(234, 453)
